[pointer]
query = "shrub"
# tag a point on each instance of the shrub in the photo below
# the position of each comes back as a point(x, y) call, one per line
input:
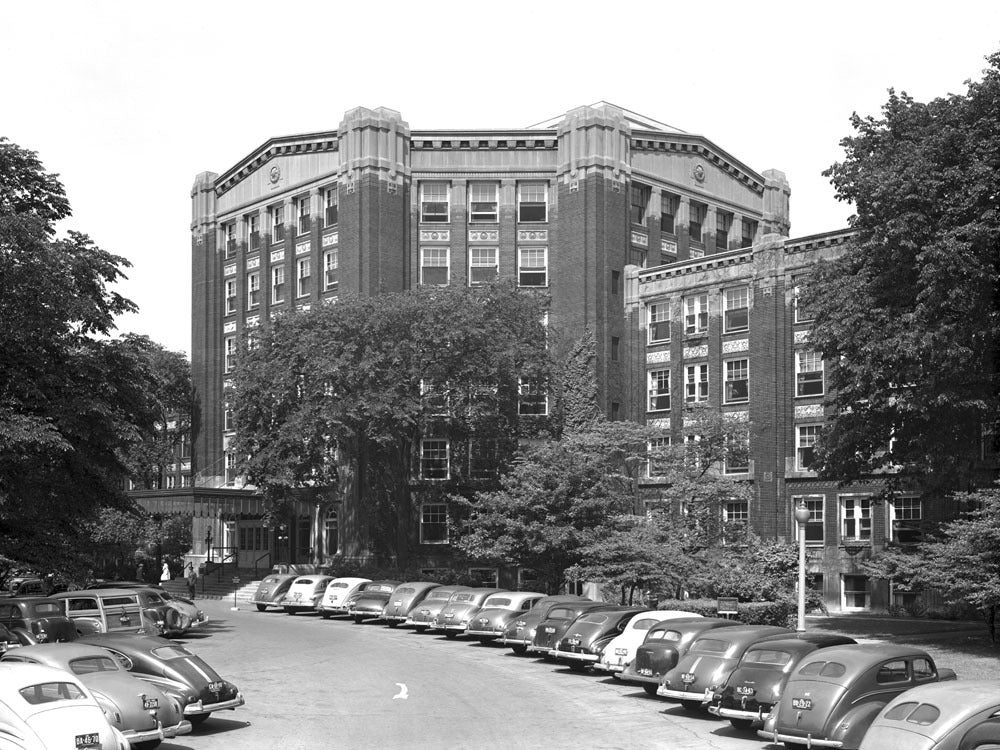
point(782, 612)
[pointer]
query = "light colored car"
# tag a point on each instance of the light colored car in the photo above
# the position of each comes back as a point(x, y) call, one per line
point(338, 591)
point(271, 591)
point(140, 711)
point(304, 593)
point(368, 605)
point(109, 610)
point(497, 611)
point(455, 616)
point(44, 708)
point(192, 616)
point(959, 715)
point(422, 617)
point(520, 631)
point(620, 651)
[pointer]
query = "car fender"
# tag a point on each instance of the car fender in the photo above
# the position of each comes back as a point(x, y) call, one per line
point(88, 625)
point(857, 721)
point(25, 637)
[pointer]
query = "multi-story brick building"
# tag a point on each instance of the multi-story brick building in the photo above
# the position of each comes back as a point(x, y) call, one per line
point(671, 251)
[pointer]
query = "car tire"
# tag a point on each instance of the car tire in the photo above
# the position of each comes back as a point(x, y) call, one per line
point(420, 628)
point(392, 623)
point(650, 688)
point(519, 650)
point(149, 745)
point(198, 719)
point(742, 724)
point(261, 607)
point(691, 705)
point(358, 619)
point(450, 634)
point(578, 666)
point(289, 611)
point(326, 615)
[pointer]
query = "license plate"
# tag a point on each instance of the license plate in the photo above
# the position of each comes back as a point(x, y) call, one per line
point(484, 621)
point(88, 740)
point(803, 704)
point(449, 615)
point(744, 690)
point(621, 652)
point(573, 641)
point(125, 620)
point(687, 678)
point(148, 703)
point(297, 595)
point(549, 630)
point(397, 603)
point(214, 687)
point(645, 672)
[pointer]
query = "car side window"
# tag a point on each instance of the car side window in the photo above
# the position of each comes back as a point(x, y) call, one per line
point(7, 612)
point(923, 669)
point(893, 671)
point(77, 605)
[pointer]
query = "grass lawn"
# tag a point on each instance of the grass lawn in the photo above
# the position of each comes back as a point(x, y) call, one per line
point(962, 645)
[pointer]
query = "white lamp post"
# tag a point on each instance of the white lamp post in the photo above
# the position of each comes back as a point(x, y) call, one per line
point(801, 518)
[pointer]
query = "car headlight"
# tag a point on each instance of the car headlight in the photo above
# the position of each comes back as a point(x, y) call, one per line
point(531, 633)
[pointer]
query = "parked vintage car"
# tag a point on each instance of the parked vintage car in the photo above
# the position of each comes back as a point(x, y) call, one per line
point(371, 602)
point(403, 599)
point(454, 618)
point(707, 664)
point(498, 610)
point(48, 708)
point(140, 711)
point(833, 697)
point(37, 619)
point(422, 618)
point(178, 615)
point(338, 591)
point(520, 631)
point(10, 640)
point(954, 715)
point(174, 670)
point(271, 591)
point(620, 651)
point(584, 640)
point(109, 610)
point(304, 593)
point(755, 685)
point(663, 646)
point(558, 618)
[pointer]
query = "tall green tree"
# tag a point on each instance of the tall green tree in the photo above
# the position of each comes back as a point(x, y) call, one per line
point(909, 316)
point(343, 393)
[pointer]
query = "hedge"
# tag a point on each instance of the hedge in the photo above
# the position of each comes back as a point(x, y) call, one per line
point(783, 613)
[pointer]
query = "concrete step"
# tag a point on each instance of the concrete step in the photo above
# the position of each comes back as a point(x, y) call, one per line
point(211, 588)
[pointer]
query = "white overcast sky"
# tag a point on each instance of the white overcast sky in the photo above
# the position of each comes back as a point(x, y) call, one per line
point(128, 101)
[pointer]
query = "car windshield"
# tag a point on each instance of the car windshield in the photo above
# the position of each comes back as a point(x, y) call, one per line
point(644, 624)
point(381, 589)
point(823, 669)
point(44, 609)
point(404, 591)
point(440, 595)
point(117, 601)
point(337, 585)
point(91, 664)
point(563, 614)
point(170, 652)
point(710, 646)
point(497, 601)
point(463, 597)
point(767, 657)
point(304, 582)
point(270, 579)
point(595, 619)
point(49, 692)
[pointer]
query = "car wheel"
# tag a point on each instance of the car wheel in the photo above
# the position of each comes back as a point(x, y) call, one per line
point(289, 611)
point(578, 666)
point(325, 615)
point(392, 623)
point(450, 634)
point(742, 724)
point(484, 639)
point(691, 705)
point(794, 746)
point(145, 745)
point(650, 688)
point(420, 628)
point(261, 607)
point(358, 619)
point(519, 650)
point(198, 719)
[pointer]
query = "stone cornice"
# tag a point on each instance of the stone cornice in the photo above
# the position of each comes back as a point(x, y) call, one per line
point(652, 140)
point(292, 144)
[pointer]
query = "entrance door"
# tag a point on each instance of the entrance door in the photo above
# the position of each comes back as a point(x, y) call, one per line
point(252, 542)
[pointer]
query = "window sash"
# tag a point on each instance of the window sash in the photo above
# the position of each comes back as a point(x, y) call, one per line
point(696, 314)
point(434, 266)
point(483, 266)
point(805, 441)
point(304, 273)
point(230, 297)
point(737, 384)
point(533, 397)
point(658, 390)
point(278, 284)
point(434, 523)
point(532, 202)
point(696, 383)
point(737, 313)
point(483, 202)
point(253, 290)
point(533, 266)
point(330, 270)
point(332, 201)
point(434, 459)
point(434, 202)
point(659, 322)
point(808, 374)
point(856, 518)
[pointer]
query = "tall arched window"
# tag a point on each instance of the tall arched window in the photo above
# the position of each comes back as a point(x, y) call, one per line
point(332, 531)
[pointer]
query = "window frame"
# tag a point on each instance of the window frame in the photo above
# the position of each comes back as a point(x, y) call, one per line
point(532, 391)
point(435, 252)
point(816, 517)
point(637, 210)
point(894, 522)
point(331, 208)
point(438, 513)
point(524, 206)
point(230, 294)
point(654, 391)
point(671, 201)
point(696, 390)
point(253, 232)
point(860, 504)
point(253, 290)
point(727, 370)
point(697, 214)
point(302, 280)
point(524, 270)
point(655, 317)
point(495, 265)
point(736, 317)
point(478, 215)
point(229, 354)
point(696, 314)
point(277, 214)
point(800, 445)
point(805, 378)
point(723, 225)
point(435, 463)
point(278, 284)
point(428, 217)
point(328, 269)
point(303, 215)
point(653, 445)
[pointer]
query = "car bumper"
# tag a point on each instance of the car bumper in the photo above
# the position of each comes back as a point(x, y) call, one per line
point(736, 713)
point(485, 633)
point(685, 695)
point(453, 627)
point(508, 641)
point(630, 677)
point(149, 735)
point(808, 741)
point(203, 620)
point(571, 656)
point(267, 602)
point(184, 727)
point(603, 666)
point(396, 618)
point(194, 709)
point(332, 608)
point(365, 615)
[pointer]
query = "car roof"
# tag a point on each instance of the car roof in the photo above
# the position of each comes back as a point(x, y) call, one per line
point(93, 592)
point(62, 652)
point(419, 585)
point(752, 633)
point(14, 676)
point(29, 600)
point(859, 658)
point(955, 696)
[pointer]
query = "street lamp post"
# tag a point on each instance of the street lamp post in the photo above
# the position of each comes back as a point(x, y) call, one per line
point(801, 518)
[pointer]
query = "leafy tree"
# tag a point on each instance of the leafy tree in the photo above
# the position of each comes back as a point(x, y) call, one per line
point(576, 402)
point(71, 399)
point(340, 395)
point(961, 563)
point(909, 315)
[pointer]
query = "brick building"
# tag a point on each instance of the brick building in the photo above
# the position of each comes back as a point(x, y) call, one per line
point(670, 250)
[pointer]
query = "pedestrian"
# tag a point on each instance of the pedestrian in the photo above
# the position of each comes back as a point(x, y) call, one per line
point(165, 573)
point(192, 579)
point(140, 573)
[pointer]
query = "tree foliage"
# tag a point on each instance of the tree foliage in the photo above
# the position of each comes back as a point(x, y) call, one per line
point(910, 314)
point(343, 393)
point(577, 393)
point(71, 399)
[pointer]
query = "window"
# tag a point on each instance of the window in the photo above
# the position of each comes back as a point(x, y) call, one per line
point(483, 266)
point(485, 577)
point(482, 458)
point(802, 313)
point(185, 480)
point(659, 390)
point(748, 232)
point(657, 456)
point(227, 420)
point(171, 482)
point(806, 436)
point(737, 383)
point(434, 459)
point(304, 215)
point(483, 202)
point(533, 396)
point(856, 593)
point(737, 313)
point(230, 362)
point(638, 199)
point(230, 464)
point(696, 383)
point(331, 529)
point(736, 511)
point(696, 220)
point(253, 231)
point(668, 213)
point(616, 282)
point(737, 456)
point(230, 296)
point(615, 348)
point(855, 518)
point(229, 230)
point(696, 314)
point(434, 398)
point(277, 223)
point(659, 322)
point(433, 523)
point(532, 267)
point(253, 290)
point(330, 276)
point(814, 526)
point(302, 286)
point(808, 373)
point(434, 266)
point(905, 516)
point(532, 201)
point(723, 223)
point(331, 200)
point(277, 284)
point(184, 445)
point(434, 202)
